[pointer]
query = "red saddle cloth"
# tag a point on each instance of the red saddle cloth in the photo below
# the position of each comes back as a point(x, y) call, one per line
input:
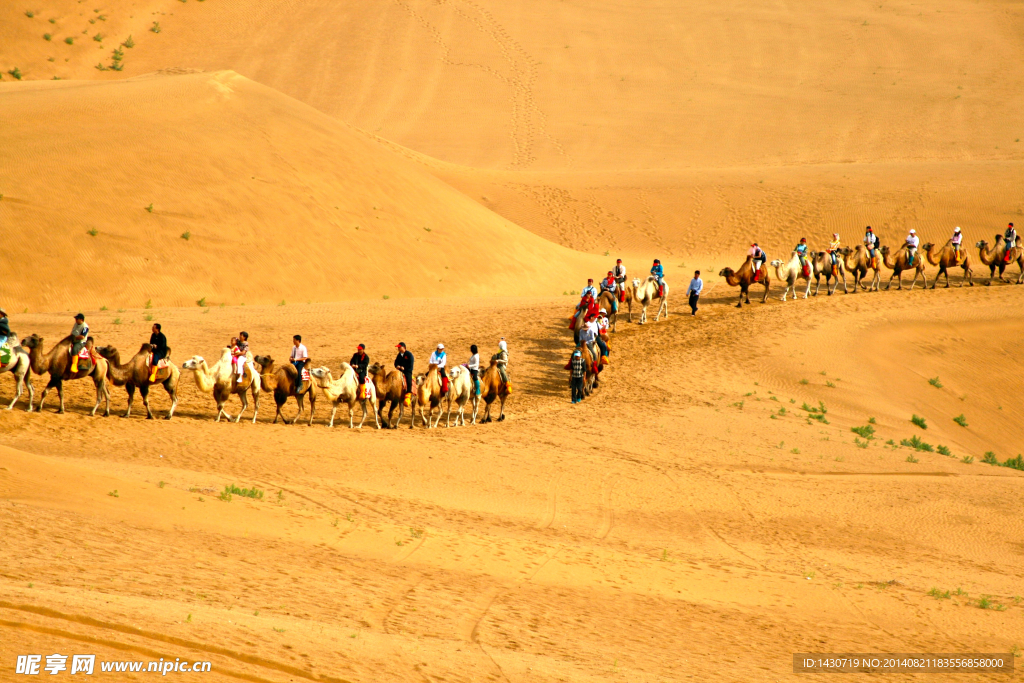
point(305, 375)
point(807, 270)
point(444, 385)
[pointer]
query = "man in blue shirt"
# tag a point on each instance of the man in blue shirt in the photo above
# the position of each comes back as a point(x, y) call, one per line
point(696, 287)
point(659, 272)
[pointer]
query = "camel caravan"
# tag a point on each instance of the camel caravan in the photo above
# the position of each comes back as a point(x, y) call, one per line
point(456, 393)
point(864, 263)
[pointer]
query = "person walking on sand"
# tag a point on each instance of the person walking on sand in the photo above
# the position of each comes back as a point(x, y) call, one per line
point(299, 357)
point(696, 287)
point(576, 376)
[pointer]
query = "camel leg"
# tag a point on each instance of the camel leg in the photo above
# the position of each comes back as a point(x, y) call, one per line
point(846, 288)
point(334, 410)
point(767, 286)
point(173, 394)
point(501, 412)
point(817, 284)
point(351, 410)
point(19, 381)
point(255, 402)
point(438, 415)
point(363, 404)
point(144, 393)
point(245, 406)
point(102, 392)
point(664, 305)
point(31, 389)
point(130, 388)
point(476, 404)
point(448, 418)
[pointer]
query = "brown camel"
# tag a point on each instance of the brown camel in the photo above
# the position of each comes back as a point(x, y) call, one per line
point(628, 297)
point(995, 258)
point(57, 362)
point(945, 258)
point(609, 303)
point(428, 395)
point(493, 389)
point(901, 262)
point(744, 277)
point(821, 264)
point(283, 381)
point(591, 371)
point(858, 262)
point(389, 385)
point(136, 373)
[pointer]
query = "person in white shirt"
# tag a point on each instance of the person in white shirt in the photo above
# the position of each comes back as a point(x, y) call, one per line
point(299, 358)
point(440, 359)
point(601, 332)
point(696, 287)
point(589, 289)
point(501, 359)
point(913, 241)
point(474, 368)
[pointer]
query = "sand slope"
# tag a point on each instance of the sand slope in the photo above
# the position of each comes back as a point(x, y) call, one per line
point(279, 201)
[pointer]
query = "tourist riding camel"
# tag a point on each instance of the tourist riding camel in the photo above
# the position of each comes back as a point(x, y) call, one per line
point(158, 344)
point(390, 388)
point(901, 262)
point(789, 273)
point(501, 362)
point(493, 388)
point(439, 358)
point(15, 360)
point(759, 259)
point(299, 358)
point(911, 244)
point(141, 373)
point(823, 265)
point(619, 271)
point(57, 363)
point(996, 258)
point(404, 363)
point(872, 245)
point(286, 381)
point(743, 278)
point(805, 265)
point(646, 292)
point(345, 390)
point(240, 355)
point(79, 335)
point(949, 256)
point(223, 380)
point(609, 293)
point(833, 254)
point(857, 262)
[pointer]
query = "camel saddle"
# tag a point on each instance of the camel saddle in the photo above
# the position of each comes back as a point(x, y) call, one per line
point(1006, 256)
point(807, 269)
point(5, 353)
point(305, 375)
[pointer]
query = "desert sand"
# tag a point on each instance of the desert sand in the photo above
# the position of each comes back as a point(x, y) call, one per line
point(426, 171)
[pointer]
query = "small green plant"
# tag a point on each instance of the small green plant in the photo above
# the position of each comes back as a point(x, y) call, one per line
point(117, 321)
point(201, 303)
point(129, 43)
point(148, 304)
point(795, 451)
point(967, 459)
point(161, 484)
point(990, 458)
point(16, 72)
point(919, 421)
point(225, 495)
point(804, 381)
point(98, 37)
point(427, 229)
point(254, 492)
point(943, 450)
point(934, 381)
point(349, 518)
point(256, 613)
point(829, 384)
point(101, 67)
point(871, 421)
point(155, 28)
point(916, 443)
point(69, 40)
point(188, 619)
point(867, 431)
point(960, 420)
point(149, 208)
point(282, 303)
point(113, 494)
point(911, 458)
point(939, 595)
point(92, 232)
point(47, 36)
point(386, 297)
point(861, 444)
point(738, 404)
point(186, 235)
point(960, 592)
point(782, 412)
point(104, 308)
point(415, 533)
point(29, 13)
point(280, 496)
point(985, 603)
point(279, 630)
point(1015, 463)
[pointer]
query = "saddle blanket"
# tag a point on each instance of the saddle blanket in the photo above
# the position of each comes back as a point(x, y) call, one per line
point(5, 354)
point(305, 375)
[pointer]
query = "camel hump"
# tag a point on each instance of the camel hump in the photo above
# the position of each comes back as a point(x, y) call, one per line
point(432, 366)
point(345, 366)
point(494, 362)
point(145, 348)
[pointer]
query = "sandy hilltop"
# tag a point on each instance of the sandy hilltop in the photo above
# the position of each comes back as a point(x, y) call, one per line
point(836, 474)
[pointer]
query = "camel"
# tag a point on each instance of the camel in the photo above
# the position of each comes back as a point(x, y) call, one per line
point(901, 262)
point(645, 293)
point(493, 389)
point(345, 390)
point(19, 365)
point(460, 390)
point(945, 259)
point(994, 258)
point(283, 381)
point(744, 277)
point(389, 386)
point(609, 303)
point(590, 371)
point(858, 261)
point(629, 296)
point(57, 363)
point(428, 395)
point(821, 264)
point(221, 381)
point(789, 273)
point(135, 374)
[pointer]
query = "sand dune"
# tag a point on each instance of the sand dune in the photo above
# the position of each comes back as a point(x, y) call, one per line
point(278, 201)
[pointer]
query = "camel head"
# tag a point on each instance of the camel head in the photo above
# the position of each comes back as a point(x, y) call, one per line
point(108, 352)
point(193, 363)
point(884, 249)
point(322, 374)
point(777, 262)
point(846, 251)
point(727, 272)
point(32, 342)
point(263, 361)
point(636, 282)
point(456, 371)
point(927, 246)
point(981, 245)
